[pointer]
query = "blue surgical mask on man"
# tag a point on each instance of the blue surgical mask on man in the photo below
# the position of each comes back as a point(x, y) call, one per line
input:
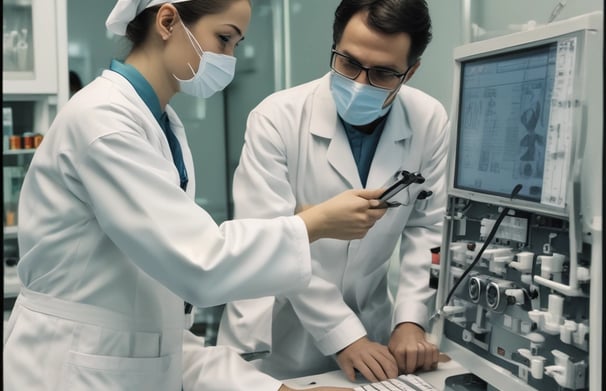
point(358, 104)
point(214, 73)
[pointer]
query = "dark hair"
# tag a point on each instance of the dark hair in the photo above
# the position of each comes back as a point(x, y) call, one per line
point(75, 83)
point(389, 17)
point(190, 12)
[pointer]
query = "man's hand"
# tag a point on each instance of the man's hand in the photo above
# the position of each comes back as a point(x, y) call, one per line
point(411, 350)
point(371, 359)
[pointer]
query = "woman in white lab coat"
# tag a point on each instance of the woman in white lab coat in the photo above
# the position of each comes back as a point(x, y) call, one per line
point(112, 243)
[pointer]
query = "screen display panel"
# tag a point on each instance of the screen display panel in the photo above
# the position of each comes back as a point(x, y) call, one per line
point(514, 123)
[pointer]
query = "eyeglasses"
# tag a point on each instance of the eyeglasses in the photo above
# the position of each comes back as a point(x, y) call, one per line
point(347, 66)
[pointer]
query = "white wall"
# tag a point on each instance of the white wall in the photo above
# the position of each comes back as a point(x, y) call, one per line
point(435, 74)
point(216, 139)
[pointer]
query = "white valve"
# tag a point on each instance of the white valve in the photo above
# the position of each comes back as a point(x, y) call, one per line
point(498, 263)
point(566, 331)
point(583, 274)
point(551, 266)
point(524, 262)
point(537, 363)
point(492, 253)
point(536, 341)
point(517, 294)
point(578, 337)
point(538, 317)
point(566, 373)
point(537, 366)
point(549, 321)
point(450, 310)
point(553, 317)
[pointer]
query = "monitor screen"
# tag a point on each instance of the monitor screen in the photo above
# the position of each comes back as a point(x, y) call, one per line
point(513, 126)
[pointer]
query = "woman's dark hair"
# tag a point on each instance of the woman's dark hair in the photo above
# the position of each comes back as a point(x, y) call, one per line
point(75, 83)
point(190, 12)
point(389, 17)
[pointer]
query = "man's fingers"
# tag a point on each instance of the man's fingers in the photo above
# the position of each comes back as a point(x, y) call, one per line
point(349, 372)
point(389, 364)
point(370, 194)
point(422, 355)
point(410, 361)
point(366, 372)
point(383, 365)
point(435, 356)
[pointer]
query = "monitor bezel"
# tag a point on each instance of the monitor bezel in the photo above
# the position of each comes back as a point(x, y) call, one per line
point(506, 45)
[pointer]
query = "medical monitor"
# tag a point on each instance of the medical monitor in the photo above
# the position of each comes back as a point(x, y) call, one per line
point(519, 294)
point(518, 116)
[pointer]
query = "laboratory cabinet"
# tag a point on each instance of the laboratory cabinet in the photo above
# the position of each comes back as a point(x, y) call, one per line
point(31, 34)
point(35, 84)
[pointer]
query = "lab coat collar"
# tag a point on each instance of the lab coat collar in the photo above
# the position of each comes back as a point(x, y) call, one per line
point(155, 131)
point(141, 85)
point(325, 123)
point(388, 156)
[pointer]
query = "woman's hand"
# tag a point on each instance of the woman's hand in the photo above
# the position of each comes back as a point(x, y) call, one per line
point(346, 216)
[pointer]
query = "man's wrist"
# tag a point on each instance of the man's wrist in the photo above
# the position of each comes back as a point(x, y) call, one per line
point(407, 324)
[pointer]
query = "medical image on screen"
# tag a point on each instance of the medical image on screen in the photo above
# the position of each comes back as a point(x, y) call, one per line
point(503, 124)
point(532, 143)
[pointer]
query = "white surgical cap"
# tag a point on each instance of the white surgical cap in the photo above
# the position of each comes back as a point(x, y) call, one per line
point(126, 10)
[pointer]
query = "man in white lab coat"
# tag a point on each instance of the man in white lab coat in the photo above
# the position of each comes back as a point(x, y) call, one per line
point(353, 128)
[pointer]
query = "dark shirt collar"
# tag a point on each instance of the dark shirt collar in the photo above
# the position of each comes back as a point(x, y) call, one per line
point(141, 86)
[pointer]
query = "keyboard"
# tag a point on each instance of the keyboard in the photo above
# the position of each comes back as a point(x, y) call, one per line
point(401, 383)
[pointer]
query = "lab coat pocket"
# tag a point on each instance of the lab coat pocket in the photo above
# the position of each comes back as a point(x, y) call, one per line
point(421, 197)
point(421, 205)
point(93, 372)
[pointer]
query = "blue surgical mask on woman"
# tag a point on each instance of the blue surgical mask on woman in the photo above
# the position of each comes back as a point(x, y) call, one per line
point(358, 104)
point(214, 73)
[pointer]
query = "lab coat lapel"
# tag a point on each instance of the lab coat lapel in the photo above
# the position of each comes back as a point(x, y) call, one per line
point(179, 130)
point(325, 123)
point(341, 159)
point(153, 131)
point(391, 153)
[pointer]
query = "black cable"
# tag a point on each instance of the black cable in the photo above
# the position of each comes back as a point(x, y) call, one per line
point(489, 238)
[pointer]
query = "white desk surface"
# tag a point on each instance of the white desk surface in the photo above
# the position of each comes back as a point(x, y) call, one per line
point(338, 379)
